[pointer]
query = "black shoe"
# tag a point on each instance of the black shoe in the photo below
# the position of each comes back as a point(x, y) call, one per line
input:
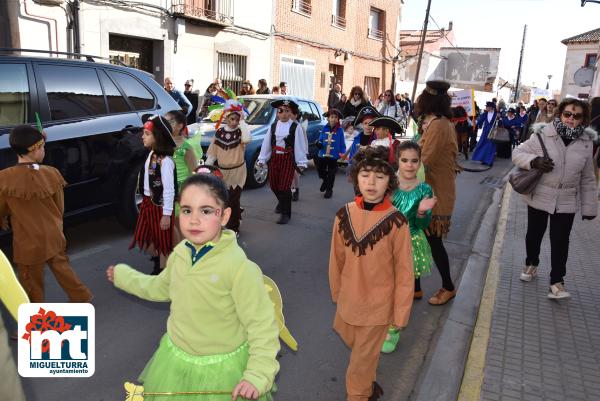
point(322, 189)
point(278, 209)
point(328, 194)
point(156, 269)
point(377, 392)
point(296, 195)
point(283, 219)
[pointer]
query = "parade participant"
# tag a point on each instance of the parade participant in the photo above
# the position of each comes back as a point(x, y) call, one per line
point(366, 233)
point(513, 124)
point(438, 154)
point(228, 149)
point(567, 186)
point(485, 151)
point(154, 227)
point(32, 196)
point(296, 180)
point(364, 138)
point(356, 102)
point(386, 129)
point(414, 199)
point(186, 157)
point(285, 150)
point(460, 119)
point(221, 331)
point(332, 146)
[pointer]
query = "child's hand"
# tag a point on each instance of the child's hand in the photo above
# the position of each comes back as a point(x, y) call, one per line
point(165, 223)
point(110, 273)
point(343, 156)
point(426, 204)
point(245, 390)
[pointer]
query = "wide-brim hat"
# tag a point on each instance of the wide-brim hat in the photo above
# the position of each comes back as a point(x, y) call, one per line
point(437, 88)
point(285, 102)
point(389, 123)
point(162, 125)
point(333, 111)
point(366, 111)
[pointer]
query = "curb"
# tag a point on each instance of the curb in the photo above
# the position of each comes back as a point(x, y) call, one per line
point(442, 380)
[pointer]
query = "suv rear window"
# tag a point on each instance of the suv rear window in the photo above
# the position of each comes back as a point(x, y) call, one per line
point(14, 94)
point(138, 95)
point(72, 91)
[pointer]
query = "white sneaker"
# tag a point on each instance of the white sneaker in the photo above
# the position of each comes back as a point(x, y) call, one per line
point(557, 291)
point(529, 273)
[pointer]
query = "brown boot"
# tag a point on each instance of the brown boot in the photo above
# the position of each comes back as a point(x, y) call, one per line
point(418, 294)
point(442, 296)
point(377, 392)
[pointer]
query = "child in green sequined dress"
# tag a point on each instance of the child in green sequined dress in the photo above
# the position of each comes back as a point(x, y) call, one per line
point(415, 200)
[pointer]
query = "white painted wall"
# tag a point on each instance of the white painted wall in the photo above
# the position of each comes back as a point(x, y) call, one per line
point(33, 20)
point(254, 14)
point(575, 59)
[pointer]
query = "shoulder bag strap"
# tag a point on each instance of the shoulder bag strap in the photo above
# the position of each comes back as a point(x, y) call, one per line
point(543, 146)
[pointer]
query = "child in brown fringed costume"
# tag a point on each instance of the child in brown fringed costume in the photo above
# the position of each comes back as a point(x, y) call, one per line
point(370, 270)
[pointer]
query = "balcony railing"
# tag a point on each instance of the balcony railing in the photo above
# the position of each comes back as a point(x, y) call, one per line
point(338, 21)
point(217, 11)
point(302, 6)
point(375, 34)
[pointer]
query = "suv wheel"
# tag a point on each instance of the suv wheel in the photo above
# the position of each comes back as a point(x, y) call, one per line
point(131, 199)
point(257, 175)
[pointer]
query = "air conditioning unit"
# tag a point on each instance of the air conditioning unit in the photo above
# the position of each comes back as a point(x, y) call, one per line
point(49, 2)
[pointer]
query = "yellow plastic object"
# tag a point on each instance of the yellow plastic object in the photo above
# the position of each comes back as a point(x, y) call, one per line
point(134, 392)
point(11, 292)
point(275, 296)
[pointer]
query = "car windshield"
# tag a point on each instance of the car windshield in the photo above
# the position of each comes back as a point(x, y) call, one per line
point(260, 111)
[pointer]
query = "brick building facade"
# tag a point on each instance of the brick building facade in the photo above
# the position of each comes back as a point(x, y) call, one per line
point(351, 42)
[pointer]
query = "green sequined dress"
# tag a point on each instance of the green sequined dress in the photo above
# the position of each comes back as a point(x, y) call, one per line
point(407, 202)
point(182, 170)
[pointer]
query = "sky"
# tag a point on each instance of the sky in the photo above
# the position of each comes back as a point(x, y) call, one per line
point(499, 23)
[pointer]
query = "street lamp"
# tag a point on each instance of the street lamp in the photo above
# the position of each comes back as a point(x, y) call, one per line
point(548, 84)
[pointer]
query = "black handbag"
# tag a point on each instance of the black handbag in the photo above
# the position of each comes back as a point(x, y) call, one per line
point(499, 134)
point(524, 181)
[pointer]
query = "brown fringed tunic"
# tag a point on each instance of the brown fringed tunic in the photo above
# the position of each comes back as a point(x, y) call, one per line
point(438, 154)
point(370, 265)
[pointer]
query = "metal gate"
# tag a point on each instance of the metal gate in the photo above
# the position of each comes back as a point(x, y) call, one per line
point(231, 69)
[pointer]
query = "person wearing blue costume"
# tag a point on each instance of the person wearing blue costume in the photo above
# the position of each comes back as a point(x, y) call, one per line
point(513, 123)
point(365, 137)
point(332, 146)
point(486, 149)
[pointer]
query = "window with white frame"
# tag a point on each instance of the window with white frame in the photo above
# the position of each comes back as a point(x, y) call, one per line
point(338, 15)
point(302, 6)
point(376, 23)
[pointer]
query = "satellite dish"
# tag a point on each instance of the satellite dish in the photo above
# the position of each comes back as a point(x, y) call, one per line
point(584, 76)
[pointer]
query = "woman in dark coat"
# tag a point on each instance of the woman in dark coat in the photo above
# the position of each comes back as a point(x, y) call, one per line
point(356, 101)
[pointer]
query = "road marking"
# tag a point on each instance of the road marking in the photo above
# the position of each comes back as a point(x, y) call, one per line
point(470, 389)
point(89, 252)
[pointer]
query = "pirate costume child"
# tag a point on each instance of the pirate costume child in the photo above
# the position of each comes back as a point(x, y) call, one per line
point(364, 137)
point(285, 149)
point(227, 149)
point(32, 196)
point(158, 184)
point(332, 146)
point(386, 129)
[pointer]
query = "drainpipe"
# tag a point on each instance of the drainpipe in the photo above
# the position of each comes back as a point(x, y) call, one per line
point(47, 19)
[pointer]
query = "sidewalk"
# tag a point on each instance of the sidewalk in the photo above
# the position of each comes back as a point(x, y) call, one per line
point(525, 346)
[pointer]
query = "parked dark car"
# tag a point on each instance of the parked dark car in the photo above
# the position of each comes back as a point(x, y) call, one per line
point(92, 114)
point(261, 116)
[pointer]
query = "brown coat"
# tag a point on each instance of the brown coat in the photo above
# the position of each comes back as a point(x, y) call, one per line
point(370, 265)
point(438, 154)
point(571, 185)
point(34, 200)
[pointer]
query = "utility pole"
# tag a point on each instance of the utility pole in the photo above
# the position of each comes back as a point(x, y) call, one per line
point(421, 47)
point(520, 65)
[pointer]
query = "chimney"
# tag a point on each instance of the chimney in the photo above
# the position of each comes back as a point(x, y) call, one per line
point(450, 25)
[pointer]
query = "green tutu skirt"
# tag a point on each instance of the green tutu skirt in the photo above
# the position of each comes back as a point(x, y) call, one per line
point(421, 255)
point(173, 370)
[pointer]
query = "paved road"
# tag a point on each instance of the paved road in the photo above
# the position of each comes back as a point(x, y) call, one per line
point(296, 257)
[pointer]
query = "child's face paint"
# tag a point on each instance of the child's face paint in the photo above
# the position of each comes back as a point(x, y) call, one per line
point(148, 139)
point(373, 185)
point(408, 164)
point(201, 215)
point(233, 120)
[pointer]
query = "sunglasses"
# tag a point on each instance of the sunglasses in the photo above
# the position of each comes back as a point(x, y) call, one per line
point(576, 116)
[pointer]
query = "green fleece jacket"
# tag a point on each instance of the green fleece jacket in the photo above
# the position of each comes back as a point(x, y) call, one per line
point(216, 305)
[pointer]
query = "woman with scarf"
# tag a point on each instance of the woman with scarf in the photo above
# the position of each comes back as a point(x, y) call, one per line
point(390, 108)
point(567, 186)
point(356, 102)
point(438, 154)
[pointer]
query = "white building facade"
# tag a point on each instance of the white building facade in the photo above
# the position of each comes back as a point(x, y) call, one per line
point(181, 39)
point(582, 58)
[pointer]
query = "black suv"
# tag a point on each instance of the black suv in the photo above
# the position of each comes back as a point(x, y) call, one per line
point(92, 114)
